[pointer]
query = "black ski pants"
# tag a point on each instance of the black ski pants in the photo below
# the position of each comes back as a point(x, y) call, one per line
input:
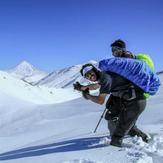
point(124, 114)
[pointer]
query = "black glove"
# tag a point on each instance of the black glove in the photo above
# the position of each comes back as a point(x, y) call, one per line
point(77, 86)
point(85, 93)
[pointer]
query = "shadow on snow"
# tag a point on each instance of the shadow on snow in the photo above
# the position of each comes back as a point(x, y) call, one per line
point(64, 146)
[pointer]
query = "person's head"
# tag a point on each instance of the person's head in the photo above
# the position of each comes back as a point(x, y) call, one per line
point(118, 48)
point(90, 72)
point(119, 43)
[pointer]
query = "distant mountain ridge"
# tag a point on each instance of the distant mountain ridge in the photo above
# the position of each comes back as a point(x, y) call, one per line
point(64, 78)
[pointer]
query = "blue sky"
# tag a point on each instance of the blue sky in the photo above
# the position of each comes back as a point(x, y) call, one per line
point(53, 34)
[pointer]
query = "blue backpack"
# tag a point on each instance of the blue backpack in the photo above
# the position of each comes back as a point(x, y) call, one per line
point(134, 70)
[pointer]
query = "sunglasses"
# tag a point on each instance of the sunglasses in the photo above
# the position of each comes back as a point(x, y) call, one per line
point(89, 75)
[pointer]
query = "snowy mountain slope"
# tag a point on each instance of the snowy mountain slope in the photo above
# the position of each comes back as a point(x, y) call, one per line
point(63, 133)
point(27, 72)
point(38, 95)
point(64, 78)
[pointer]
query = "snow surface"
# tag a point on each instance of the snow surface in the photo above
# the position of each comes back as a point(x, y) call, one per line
point(57, 127)
point(35, 94)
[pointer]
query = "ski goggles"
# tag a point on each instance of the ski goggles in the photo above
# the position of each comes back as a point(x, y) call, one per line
point(115, 48)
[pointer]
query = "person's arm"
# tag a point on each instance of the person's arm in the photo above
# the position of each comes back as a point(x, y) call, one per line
point(100, 99)
point(90, 87)
point(105, 87)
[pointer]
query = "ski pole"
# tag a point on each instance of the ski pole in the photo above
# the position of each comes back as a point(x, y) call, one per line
point(100, 120)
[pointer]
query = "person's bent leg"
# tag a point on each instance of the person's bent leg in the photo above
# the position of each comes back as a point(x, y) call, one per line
point(113, 106)
point(137, 132)
point(127, 119)
point(112, 125)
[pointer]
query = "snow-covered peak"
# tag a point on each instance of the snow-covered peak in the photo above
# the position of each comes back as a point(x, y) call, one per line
point(24, 68)
point(27, 72)
point(25, 63)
